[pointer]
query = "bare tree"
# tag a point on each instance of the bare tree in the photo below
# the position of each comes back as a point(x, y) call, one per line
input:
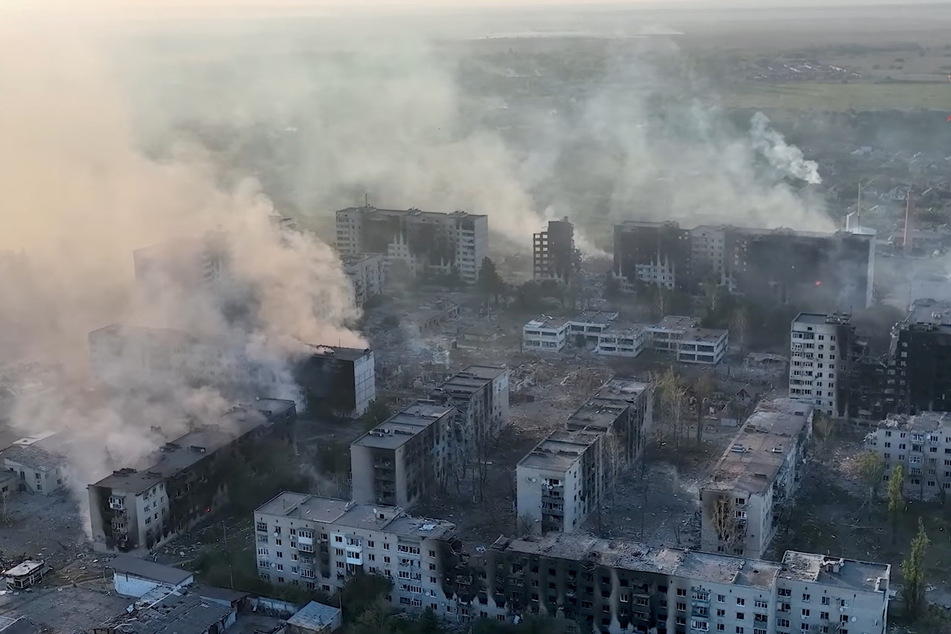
point(613, 463)
point(739, 328)
point(723, 518)
point(673, 401)
point(703, 389)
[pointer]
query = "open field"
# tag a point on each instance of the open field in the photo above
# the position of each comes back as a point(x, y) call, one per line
point(822, 96)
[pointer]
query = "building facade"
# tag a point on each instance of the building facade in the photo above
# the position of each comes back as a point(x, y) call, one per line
point(921, 444)
point(340, 381)
point(607, 586)
point(921, 357)
point(318, 543)
point(38, 461)
point(820, 368)
point(480, 396)
point(424, 242)
point(755, 480)
point(545, 334)
point(404, 457)
point(682, 337)
point(559, 483)
point(136, 510)
point(554, 256)
point(367, 274)
point(764, 265)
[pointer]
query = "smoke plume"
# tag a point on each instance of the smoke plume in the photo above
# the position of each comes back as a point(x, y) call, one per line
point(784, 157)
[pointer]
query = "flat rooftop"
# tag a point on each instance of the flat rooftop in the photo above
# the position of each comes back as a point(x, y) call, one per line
point(559, 450)
point(836, 571)
point(347, 514)
point(597, 414)
point(597, 317)
point(411, 212)
point(924, 422)
point(470, 380)
point(929, 311)
point(176, 612)
point(185, 451)
point(623, 388)
point(130, 565)
point(761, 446)
point(42, 450)
point(676, 322)
point(547, 322)
point(624, 328)
point(398, 429)
point(810, 318)
point(704, 335)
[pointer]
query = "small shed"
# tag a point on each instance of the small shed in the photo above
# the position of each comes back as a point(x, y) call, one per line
point(25, 574)
point(315, 618)
point(134, 577)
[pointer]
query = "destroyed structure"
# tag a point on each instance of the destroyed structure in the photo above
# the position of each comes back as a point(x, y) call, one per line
point(319, 542)
point(39, 462)
point(562, 480)
point(755, 479)
point(679, 336)
point(480, 396)
point(175, 611)
point(765, 265)
point(25, 574)
point(134, 510)
point(405, 456)
point(424, 242)
point(367, 274)
point(554, 256)
point(921, 444)
point(340, 381)
point(921, 357)
point(616, 587)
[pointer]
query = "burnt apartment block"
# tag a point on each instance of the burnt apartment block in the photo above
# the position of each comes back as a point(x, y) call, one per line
point(766, 265)
point(425, 242)
point(554, 256)
point(921, 357)
point(186, 480)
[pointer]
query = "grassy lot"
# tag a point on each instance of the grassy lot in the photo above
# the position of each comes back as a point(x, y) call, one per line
point(841, 97)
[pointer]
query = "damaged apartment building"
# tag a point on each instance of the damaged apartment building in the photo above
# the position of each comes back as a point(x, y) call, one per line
point(325, 379)
point(616, 587)
point(765, 265)
point(404, 457)
point(424, 242)
point(921, 444)
point(318, 543)
point(367, 275)
point(554, 255)
point(187, 480)
point(755, 480)
point(562, 480)
point(480, 396)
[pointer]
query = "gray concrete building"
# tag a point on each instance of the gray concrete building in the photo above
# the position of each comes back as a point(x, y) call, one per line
point(317, 543)
point(403, 457)
point(755, 479)
point(559, 483)
point(921, 444)
point(613, 587)
point(39, 462)
point(367, 274)
point(633, 403)
point(480, 395)
point(184, 482)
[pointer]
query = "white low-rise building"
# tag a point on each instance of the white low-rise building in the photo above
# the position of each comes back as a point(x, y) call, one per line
point(134, 577)
point(545, 334)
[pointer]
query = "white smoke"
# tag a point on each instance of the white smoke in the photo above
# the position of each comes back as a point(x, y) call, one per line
point(788, 159)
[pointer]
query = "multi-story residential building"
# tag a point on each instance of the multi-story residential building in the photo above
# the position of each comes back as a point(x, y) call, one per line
point(425, 242)
point(367, 273)
point(187, 480)
point(622, 410)
point(922, 445)
point(765, 265)
point(921, 358)
point(755, 479)
point(683, 337)
point(403, 457)
point(545, 334)
point(554, 256)
point(39, 461)
point(187, 263)
point(820, 366)
point(318, 543)
point(340, 381)
point(616, 587)
point(480, 396)
point(558, 484)
point(655, 253)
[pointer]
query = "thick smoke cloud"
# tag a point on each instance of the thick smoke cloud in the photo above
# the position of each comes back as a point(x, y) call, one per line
point(786, 158)
point(79, 196)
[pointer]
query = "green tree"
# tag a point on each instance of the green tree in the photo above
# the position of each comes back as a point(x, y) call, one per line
point(913, 571)
point(871, 466)
point(490, 283)
point(896, 501)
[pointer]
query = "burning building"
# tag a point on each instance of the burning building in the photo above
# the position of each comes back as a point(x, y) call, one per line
point(187, 480)
point(554, 256)
point(424, 242)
